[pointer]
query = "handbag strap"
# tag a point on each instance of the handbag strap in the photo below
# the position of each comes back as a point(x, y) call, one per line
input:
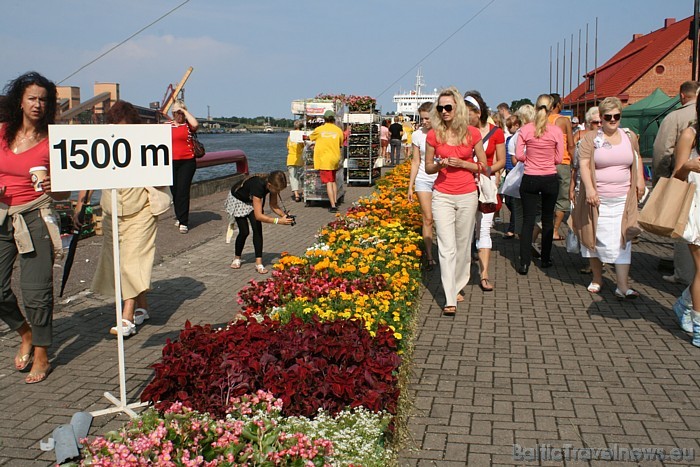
point(489, 134)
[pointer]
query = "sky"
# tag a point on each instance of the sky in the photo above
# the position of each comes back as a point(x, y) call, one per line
point(252, 58)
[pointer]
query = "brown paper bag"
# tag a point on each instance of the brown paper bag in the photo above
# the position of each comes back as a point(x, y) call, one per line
point(666, 211)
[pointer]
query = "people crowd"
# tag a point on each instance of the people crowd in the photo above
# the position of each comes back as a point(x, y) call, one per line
point(592, 174)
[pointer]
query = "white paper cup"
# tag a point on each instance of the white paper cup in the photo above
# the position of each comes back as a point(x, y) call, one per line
point(38, 175)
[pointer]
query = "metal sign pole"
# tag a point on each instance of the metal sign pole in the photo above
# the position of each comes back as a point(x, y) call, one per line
point(120, 404)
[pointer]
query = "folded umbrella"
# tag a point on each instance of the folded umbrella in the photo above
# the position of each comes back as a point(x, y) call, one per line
point(73, 246)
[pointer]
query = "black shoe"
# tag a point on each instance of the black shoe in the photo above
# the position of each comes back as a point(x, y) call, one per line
point(522, 270)
point(332, 209)
point(546, 263)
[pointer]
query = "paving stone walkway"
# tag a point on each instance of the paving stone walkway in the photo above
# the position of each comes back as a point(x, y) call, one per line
point(539, 361)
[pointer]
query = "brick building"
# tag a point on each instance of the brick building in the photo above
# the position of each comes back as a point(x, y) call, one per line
point(661, 59)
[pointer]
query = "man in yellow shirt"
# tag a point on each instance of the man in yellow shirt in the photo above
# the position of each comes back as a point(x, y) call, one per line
point(328, 139)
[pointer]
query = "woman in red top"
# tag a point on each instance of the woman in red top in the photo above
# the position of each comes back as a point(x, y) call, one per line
point(494, 141)
point(184, 163)
point(449, 152)
point(26, 112)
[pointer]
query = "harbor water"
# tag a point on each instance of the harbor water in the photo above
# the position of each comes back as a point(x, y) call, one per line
point(265, 152)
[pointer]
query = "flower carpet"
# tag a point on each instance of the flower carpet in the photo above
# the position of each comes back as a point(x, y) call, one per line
point(310, 373)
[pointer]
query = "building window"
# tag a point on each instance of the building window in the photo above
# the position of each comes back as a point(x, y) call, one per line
point(591, 84)
point(660, 69)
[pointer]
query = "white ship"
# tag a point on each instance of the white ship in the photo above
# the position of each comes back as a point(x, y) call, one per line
point(408, 103)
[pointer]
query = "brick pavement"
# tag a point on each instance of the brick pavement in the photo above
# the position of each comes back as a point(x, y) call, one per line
point(545, 363)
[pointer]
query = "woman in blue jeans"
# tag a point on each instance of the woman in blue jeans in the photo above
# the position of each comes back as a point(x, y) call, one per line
point(540, 147)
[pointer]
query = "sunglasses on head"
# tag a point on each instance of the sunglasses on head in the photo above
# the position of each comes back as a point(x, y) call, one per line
point(446, 108)
point(611, 117)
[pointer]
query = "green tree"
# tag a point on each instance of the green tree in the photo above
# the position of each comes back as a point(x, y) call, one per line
point(515, 105)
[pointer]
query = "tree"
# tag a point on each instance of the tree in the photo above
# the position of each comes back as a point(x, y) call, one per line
point(515, 105)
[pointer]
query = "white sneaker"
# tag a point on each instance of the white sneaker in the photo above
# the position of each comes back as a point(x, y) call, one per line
point(177, 223)
point(128, 328)
point(183, 229)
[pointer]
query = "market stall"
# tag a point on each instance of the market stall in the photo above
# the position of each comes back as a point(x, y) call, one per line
point(363, 147)
point(311, 111)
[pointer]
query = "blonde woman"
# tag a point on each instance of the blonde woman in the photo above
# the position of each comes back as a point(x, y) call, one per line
point(184, 125)
point(540, 146)
point(611, 182)
point(423, 182)
point(450, 148)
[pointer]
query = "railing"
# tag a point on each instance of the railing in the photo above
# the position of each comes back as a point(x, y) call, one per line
point(235, 156)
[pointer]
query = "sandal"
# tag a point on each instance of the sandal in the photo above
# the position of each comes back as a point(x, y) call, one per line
point(22, 361)
point(38, 376)
point(140, 315)
point(630, 294)
point(449, 310)
point(236, 263)
point(430, 265)
point(460, 297)
point(485, 285)
point(128, 328)
point(261, 269)
point(593, 287)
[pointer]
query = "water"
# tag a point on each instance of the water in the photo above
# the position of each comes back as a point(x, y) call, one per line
point(265, 151)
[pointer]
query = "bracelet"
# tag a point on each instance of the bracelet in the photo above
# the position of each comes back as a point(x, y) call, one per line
point(277, 220)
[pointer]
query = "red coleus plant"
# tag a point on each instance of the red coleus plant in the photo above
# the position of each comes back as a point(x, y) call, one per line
point(330, 365)
point(301, 281)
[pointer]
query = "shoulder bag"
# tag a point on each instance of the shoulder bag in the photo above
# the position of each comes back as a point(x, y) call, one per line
point(197, 146)
point(159, 199)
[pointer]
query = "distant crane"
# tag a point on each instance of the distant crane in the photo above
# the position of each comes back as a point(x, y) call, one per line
point(172, 93)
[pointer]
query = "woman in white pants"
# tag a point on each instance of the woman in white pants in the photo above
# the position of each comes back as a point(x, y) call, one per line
point(450, 148)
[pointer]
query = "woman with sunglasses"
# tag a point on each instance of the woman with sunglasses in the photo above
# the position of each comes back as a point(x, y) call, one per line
point(184, 124)
point(450, 148)
point(423, 182)
point(612, 182)
point(687, 168)
point(494, 141)
point(541, 147)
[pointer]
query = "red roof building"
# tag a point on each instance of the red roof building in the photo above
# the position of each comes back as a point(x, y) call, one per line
point(660, 59)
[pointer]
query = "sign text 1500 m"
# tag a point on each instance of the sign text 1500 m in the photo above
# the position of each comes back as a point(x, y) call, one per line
point(93, 157)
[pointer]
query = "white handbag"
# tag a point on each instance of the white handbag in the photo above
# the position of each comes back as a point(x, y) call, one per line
point(511, 184)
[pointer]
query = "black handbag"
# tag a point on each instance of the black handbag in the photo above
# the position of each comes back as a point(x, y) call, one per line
point(197, 146)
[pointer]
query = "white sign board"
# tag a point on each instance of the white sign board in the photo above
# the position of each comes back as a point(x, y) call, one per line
point(312, 108)
point(96, 157)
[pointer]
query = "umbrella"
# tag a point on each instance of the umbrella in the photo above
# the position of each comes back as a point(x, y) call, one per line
point(74, 244)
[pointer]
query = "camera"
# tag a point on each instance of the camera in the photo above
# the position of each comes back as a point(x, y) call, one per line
point(293, 218)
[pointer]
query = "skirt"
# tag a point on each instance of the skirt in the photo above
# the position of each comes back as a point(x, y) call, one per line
point(609, 234)
point(137, 249)
point(237, 208)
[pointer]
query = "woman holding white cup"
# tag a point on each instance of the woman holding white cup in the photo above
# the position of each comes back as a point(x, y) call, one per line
point(28, 225)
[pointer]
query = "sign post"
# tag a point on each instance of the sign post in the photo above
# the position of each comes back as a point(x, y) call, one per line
point(101, 157)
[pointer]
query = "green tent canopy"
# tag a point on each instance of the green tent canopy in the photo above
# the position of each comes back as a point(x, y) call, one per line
point(645, 116)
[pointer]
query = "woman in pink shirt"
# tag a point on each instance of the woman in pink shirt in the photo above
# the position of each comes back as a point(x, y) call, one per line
point(541, 147)
point(612, 181)
point(449, 151)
